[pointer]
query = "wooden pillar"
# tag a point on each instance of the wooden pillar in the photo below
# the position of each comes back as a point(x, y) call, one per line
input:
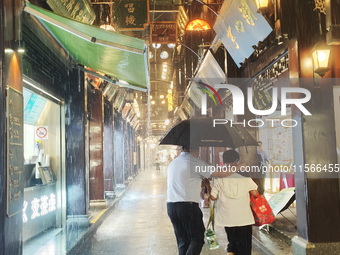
point(95, 120)
point(317, 193)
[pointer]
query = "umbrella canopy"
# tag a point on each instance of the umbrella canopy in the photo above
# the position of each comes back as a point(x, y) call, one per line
point(200, 132)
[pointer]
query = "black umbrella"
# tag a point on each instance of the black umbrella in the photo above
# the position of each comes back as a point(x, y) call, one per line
point(201, 132)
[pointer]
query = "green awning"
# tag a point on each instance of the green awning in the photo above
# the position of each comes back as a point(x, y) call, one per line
point(120, 56)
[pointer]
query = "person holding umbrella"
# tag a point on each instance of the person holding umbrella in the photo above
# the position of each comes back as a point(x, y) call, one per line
point(184, 182)
point(183, 197)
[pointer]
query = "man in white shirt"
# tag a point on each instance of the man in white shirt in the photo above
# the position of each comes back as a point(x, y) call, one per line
point(183, 197)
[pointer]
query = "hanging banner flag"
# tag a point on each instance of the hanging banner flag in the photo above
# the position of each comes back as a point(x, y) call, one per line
point(80, 10)
point(239, 27)
point(132, 14)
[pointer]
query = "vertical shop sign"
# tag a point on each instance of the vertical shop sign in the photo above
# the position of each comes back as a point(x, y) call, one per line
point(170, 101)
point(132, 14)
point(80, 10)
point(15, 161)
point(163, 32)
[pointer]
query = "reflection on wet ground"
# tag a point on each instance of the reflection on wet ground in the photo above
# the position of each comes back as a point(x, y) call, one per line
point(138, 225)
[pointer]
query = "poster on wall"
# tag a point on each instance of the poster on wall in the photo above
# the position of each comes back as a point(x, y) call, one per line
point(41, 132)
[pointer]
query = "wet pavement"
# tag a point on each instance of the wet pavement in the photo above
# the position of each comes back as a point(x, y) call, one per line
point(139, 224)
point(136, 223)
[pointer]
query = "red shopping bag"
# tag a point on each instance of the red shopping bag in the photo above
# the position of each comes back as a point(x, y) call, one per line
point(262, 212)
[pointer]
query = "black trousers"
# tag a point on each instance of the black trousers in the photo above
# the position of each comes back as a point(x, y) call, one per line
point(187, 220)
point(239, 239)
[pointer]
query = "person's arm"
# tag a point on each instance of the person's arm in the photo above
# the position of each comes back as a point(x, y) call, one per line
point(253, 188)
point(266, 159)
point(254, 193)
point(215, 190)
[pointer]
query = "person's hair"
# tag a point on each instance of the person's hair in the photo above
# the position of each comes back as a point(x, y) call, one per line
point(230, 156)
point(193, 147)
point(259, 142)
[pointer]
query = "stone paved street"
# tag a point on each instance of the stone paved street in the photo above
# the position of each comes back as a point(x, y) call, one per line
point(139, 224)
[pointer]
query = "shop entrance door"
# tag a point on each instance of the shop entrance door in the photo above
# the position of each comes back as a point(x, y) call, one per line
point(44, 172)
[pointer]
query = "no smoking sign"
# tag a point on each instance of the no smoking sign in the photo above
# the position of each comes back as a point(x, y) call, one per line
point(41, 132)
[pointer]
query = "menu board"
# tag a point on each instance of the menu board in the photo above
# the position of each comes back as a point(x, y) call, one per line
point(46, 175)
point(15, 154)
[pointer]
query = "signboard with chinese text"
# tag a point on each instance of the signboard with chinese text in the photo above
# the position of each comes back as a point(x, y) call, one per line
point(210, 71)
point(239, 27)
point(170, 101)
point(80, 10)
point(132, 15)
point(15, 160)
point(39, 209)
point(195, 94)
point(126, 110)
point(163, 32)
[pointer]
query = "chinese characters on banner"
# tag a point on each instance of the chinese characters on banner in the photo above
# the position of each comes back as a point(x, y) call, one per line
point(163, 32)
point(239, 27)
point(132, 15)
point(80, 10)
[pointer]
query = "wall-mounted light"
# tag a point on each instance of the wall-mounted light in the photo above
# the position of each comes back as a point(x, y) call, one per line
point(261, 4)
point(15, 46)
point(321, 53)
point(9, 51)
point(156, 45)
point(198, 25)
point(164, 54)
